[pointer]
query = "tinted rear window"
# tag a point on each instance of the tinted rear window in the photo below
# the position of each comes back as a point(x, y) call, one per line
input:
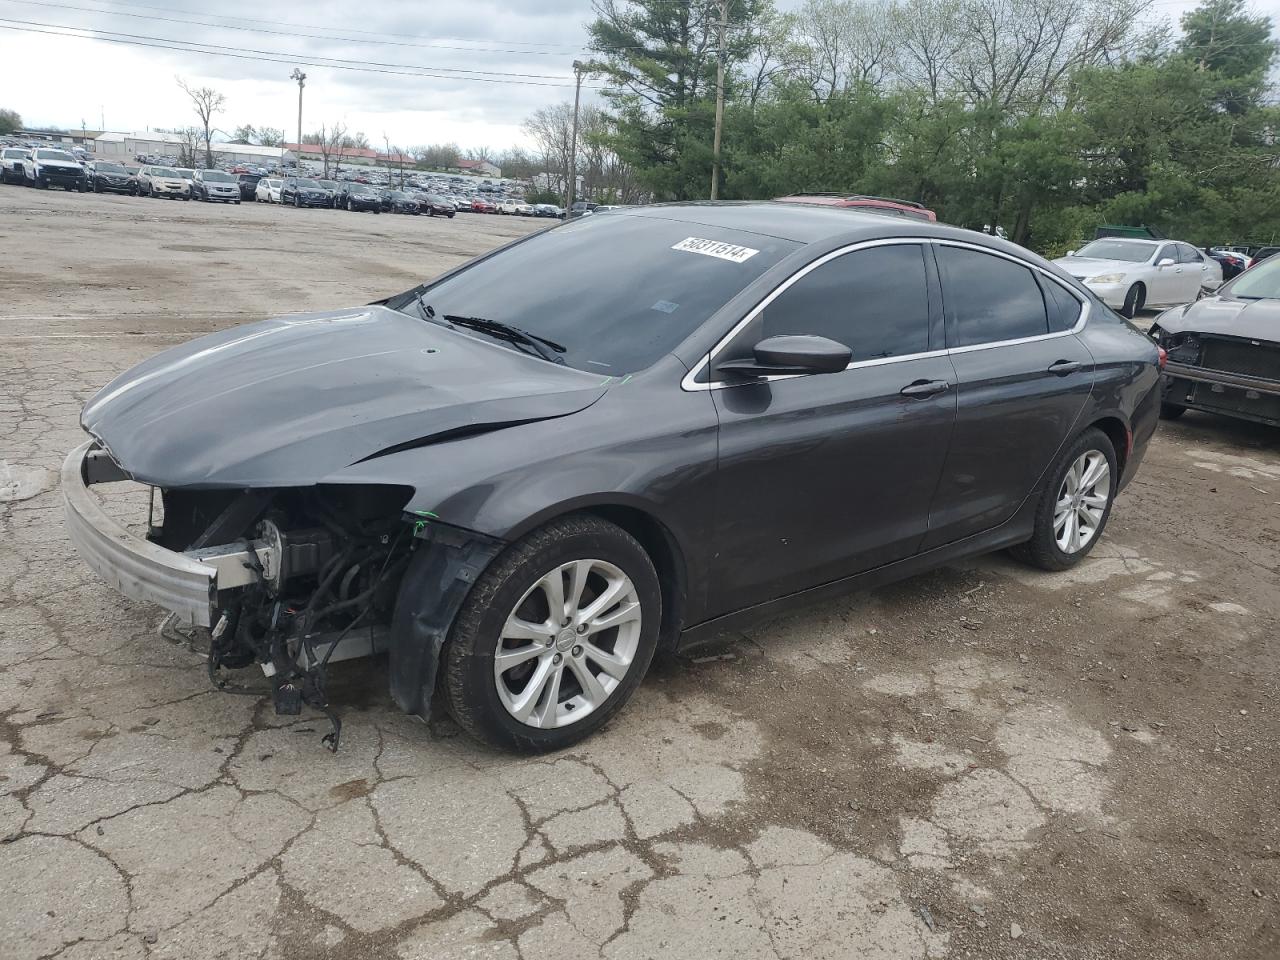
point(1063, 308)
point(613, 290)
point(988, 298)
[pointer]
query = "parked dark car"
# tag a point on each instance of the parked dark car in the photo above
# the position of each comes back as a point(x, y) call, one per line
point(399, 201)
point(106, 176)
point(432, 204)
point(691, 417)
point(1232, 262)
point(581, 208)
point(249, 186)
point(548, 210)
point(302, 192)
point(359, 196)
point(333, 187)
point(1262, 253)
point(1224, 350)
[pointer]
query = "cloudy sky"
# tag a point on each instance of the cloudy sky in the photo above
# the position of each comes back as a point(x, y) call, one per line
point(468, 72)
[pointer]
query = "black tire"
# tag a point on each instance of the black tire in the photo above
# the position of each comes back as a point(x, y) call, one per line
point(297, 202)
point(1135, 299)
point(351, 207)
point(1171, 411)
point(1042, 549)
point(467, 677)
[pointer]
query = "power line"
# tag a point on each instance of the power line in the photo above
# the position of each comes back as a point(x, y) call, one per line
point(283, 33)
point(268, 56)
point(311, 26)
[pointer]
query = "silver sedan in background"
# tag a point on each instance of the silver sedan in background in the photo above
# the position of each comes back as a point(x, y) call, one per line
point(1130, 274)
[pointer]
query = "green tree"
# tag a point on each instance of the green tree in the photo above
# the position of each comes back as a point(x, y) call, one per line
point(658, 60)
point(10, 121)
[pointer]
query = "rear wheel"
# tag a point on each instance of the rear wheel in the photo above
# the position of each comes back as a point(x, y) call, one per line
point(554, 638)
point(1134, 300)
point(1075, 505)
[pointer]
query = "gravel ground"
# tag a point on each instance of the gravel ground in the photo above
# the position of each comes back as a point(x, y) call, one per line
point(983, 762)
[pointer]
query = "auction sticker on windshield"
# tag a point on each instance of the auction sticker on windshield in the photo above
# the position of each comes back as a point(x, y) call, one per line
point(715, 248)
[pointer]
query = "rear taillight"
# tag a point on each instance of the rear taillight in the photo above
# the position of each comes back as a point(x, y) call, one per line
point(1164, 357)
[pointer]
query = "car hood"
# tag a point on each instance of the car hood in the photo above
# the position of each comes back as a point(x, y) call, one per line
point(1255, 319)
point(59, 164)
point(1089, 267)
point(288, 401)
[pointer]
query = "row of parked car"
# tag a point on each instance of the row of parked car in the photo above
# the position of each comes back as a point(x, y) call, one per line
point(356, 197)
point(49, 167)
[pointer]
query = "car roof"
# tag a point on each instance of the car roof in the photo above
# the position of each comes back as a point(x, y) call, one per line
point(805, 223)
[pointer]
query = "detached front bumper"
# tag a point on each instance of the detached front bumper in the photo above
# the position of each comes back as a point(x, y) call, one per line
point(186, 584)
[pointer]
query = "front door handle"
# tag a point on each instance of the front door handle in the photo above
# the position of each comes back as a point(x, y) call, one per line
point(925, 388)
point(1063, 367)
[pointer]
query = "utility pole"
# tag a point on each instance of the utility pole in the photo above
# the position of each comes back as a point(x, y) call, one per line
point(715, 149)
point(302, 81)
point(578, 68)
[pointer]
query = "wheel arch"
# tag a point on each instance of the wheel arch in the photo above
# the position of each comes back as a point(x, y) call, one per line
point(1120, 435)
point(640, 519)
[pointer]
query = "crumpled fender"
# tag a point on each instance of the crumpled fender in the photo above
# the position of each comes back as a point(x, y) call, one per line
point(444, 568)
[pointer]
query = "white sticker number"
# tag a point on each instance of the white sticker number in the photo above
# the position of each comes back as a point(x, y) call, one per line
point(715, 248)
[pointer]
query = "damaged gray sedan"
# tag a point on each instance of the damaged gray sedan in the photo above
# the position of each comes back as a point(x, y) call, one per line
point(528, 475)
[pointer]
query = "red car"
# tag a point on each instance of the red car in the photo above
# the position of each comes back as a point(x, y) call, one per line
point(896, 208)
point(482, 206)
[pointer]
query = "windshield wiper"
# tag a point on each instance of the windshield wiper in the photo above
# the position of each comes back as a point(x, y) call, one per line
point(505, 331)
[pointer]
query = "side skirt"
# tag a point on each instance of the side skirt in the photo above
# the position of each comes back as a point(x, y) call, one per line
point(1017, 529)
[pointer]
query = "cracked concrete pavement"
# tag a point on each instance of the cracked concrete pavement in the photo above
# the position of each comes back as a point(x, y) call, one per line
point(903, 774)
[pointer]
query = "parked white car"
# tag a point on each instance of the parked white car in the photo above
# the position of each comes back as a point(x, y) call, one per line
point(45, 167)
point(1129, 274)
point(156, 181)
point(524, 209)
point(509, 207)
point(268, 190)
point(11, 168)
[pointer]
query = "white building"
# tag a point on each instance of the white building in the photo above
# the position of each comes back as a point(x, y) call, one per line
point(126, 146)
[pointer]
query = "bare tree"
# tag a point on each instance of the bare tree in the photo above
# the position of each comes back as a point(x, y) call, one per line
point(551, 129)
point(188, 146)
point(333, 142)
point(207, 102)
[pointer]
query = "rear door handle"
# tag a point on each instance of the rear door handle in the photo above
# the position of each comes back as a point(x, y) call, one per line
point(925, 388)
point(1063, 367)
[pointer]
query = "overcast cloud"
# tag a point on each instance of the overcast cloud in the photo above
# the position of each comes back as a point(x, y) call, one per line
point(63, 81)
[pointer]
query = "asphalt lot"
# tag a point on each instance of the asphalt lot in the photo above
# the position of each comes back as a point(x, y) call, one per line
point(984, 762)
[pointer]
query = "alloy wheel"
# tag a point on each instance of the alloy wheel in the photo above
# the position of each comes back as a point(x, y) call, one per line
point(1082, 502)
point(568, 643)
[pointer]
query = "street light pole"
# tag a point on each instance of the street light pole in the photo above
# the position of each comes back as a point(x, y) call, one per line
point(578, 68)
point(715, 149)
point(302, 80)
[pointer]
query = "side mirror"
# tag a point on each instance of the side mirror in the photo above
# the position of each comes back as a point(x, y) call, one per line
point(1071, 253)
point(1166, 262)
point(790, 355)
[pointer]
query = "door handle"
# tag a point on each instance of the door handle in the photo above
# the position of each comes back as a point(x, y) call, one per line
point(1063, 367)
point(925, 388)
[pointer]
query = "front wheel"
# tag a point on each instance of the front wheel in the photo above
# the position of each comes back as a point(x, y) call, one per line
point(554, 637)
point(1075, 505)
point(1134, 300)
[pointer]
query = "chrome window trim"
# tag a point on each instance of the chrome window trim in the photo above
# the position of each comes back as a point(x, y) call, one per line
point(689, 382)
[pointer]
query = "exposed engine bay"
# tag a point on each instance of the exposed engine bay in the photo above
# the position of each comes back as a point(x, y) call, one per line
point(321, 567)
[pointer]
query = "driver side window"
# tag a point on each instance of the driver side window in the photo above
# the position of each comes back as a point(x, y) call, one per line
point(1167, 252)
point(874, 301)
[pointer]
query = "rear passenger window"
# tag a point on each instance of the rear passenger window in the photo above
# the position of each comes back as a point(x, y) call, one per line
point(988, 298)
point(874, 301)
point(1064, 309)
